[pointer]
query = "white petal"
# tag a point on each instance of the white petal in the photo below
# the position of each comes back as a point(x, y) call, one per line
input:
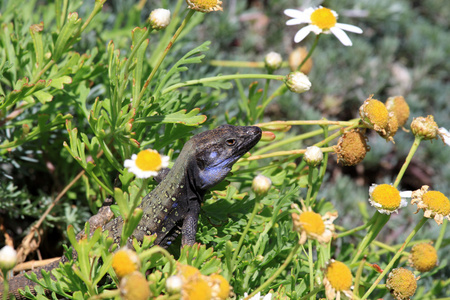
point(445, 135)
point(341, 36)
point(128, 163)
point(294, 13)
point(302, 33)
point(348, 27)
point(295, 22)
point(406, 194)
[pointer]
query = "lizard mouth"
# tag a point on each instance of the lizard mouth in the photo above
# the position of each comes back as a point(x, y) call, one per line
point(253, 135)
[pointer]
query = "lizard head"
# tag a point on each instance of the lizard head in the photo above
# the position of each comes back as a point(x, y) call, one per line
point(218, 149)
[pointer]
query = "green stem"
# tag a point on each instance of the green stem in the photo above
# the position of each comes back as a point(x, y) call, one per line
point(163, 55)
point(242, 64)
point(358, 277)
point(313, 47)
point(5, 285)
point(277, 272)
point(283, 153)
point(312, 293)
point(378, 221)
point(438, 243)
point(310, 185)
point(221, 78)
point(356, 229)
point(311, 267)
point(157, 249)
point(413, 149)
point(394, 259)
point(308, 122)
point(247, 228)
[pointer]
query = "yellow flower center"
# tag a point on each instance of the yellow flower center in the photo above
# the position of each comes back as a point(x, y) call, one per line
point(312, 222)
point(339, 276)
point(402, 283)
point(376, 113)
point(437, 202)
point(323, 18)
point(135, 287)
point(197, 289)
point(148, 160)
point(386, 195)
point(400, 108)
point(124, 262)
point(188, 271)
point(220, 288)
point(423, 257)
point(205, 5)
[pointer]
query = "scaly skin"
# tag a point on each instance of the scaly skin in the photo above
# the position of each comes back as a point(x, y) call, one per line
point(174, 205)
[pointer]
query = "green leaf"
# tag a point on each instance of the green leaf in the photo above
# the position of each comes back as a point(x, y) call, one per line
point(69, 29)
point(180, 117)
point(58, 83)
point(43, 97)
point(36, 35)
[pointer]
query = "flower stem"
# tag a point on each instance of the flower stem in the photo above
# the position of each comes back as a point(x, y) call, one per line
point(394, 259)
point(313, 47)
point(221, 78)
point(163, 55)
point(283, 153)
point(249, 223)
point(277, 272)
point(311, 267)
point(413, 149)
point(378, 221)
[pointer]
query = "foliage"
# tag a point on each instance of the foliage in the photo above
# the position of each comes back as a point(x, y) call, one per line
point(85, 86)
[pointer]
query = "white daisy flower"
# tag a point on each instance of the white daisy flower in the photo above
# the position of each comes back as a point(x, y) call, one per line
point(320, 20)
point(387, 199)
point(146, 163)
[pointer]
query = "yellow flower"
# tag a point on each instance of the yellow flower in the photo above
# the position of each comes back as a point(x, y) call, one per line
point(338, 278)
point(423, 257)
point(125, 261)
point(399, 107)
point(204, 5)
point(195, 285)
point(219, 286)
point(312, 225)
point(401, 283)
point(134, 287)
point(433, 203)
point(374, 115)
point(320, 20)
point(351, 148)
point(146, 163)
point(386, 198)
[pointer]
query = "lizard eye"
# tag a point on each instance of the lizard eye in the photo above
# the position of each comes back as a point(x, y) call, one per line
point(231, 142)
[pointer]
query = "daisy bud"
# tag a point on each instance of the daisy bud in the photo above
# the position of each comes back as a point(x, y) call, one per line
point(425, 128)
point(174, 284)
point(298, 82)
point(261, 185)
point(273, 61)
point(159, 18)
point(313, 156)
point(8, 258)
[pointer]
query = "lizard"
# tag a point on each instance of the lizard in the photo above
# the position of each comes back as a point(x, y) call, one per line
point(173, 206)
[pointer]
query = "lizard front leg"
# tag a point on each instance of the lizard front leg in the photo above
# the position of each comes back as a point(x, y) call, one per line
point(190, 222)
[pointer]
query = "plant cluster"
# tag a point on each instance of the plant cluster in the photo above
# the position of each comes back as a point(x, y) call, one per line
point(90, 111)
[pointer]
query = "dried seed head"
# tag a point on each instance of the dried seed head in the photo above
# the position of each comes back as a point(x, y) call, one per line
point(351, 148)
point(296, 57)
point(374, 115)
point(402, 283)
